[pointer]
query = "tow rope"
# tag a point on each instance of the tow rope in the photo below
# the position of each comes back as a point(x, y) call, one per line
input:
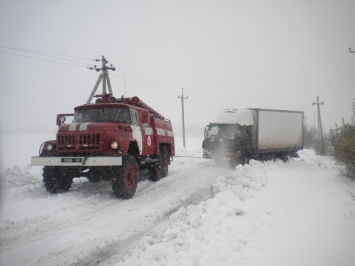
point(187, 156)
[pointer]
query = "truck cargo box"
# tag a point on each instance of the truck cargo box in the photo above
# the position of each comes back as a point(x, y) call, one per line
point(277, 130)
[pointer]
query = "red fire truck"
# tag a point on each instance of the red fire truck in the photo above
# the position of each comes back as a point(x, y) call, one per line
point(122, 140)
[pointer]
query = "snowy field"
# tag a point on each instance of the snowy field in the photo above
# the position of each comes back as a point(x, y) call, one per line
point(265, 213)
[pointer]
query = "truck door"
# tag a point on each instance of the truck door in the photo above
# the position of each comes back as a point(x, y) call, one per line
point(148, 145)
point(136, 130)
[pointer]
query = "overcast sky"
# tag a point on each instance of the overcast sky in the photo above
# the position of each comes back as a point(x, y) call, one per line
point(225, 54)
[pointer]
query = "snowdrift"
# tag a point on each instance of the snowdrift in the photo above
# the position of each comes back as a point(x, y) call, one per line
point(200, 214)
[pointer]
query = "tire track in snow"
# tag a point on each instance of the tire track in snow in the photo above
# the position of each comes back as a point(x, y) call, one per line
point(192, 196)
point(74, 225)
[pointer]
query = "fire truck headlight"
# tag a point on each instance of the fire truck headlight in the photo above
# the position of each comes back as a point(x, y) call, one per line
point(114, 145)
point(49, 147)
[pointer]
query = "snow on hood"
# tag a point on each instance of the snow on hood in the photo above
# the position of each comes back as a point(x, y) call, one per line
point(241, 116)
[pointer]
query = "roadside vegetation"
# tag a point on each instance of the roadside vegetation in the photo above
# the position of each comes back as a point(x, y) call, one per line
point(338, 142)
point(342, 140)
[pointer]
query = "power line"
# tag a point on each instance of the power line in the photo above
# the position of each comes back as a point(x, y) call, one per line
point(148, 87)
point(149, 83)
point(345, 87)
point(162, 82)
point(341, 88)
point(201, 103)
point(338, 66)
point(38, 55)
point(334, 73)
point(195, 103)
point(42, 53)
point(60, 57)
point(42, 56)
point(43, 59)
point(66, 59)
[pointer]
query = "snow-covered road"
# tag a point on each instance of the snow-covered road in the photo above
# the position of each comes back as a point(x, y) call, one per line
point(265, 213)
point(89, 224)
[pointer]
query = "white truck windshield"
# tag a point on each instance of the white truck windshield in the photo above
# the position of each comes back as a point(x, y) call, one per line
point(227, 131)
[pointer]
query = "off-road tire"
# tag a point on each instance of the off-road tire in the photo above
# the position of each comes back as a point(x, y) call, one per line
point(55, 180)
point(154, 172)
point(125, 184)
point(159, 169)
point(164, 163)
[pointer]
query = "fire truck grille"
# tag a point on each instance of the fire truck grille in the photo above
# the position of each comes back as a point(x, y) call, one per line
point(81, 141)
point(66, 139)
point(85, 139)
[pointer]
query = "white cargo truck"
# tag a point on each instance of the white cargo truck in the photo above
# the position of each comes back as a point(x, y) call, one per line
point(239, 135)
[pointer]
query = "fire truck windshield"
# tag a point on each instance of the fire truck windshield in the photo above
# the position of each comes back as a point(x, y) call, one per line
point(105, 114)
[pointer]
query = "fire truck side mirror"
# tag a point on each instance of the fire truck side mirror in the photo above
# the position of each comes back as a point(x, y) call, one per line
point(61, 118)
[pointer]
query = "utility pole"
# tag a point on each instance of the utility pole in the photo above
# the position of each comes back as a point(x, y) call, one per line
point(320, 130)
point(314, 120)
point(183, 119)
point(104, 77)
point(353, 116)
point(124, 82)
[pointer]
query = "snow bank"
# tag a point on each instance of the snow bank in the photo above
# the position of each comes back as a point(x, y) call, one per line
point(213, 231)
point(236, 226)
point(265, 213)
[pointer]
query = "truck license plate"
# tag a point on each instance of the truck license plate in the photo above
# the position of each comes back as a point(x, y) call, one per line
point(72, 160)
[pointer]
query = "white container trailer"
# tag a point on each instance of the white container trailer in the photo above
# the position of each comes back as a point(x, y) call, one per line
point(276, 130)
point(239, 135)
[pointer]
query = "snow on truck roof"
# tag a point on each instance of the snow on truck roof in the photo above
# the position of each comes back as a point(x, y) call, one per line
point(241, 116)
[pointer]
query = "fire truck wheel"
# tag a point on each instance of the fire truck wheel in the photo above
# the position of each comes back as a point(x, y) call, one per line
point(154, 172)
point(164, 163)
point(125, 184)
point(159, 169)
point(55, 181)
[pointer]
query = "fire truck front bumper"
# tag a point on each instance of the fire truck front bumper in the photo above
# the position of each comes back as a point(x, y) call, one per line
point(76, 161)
